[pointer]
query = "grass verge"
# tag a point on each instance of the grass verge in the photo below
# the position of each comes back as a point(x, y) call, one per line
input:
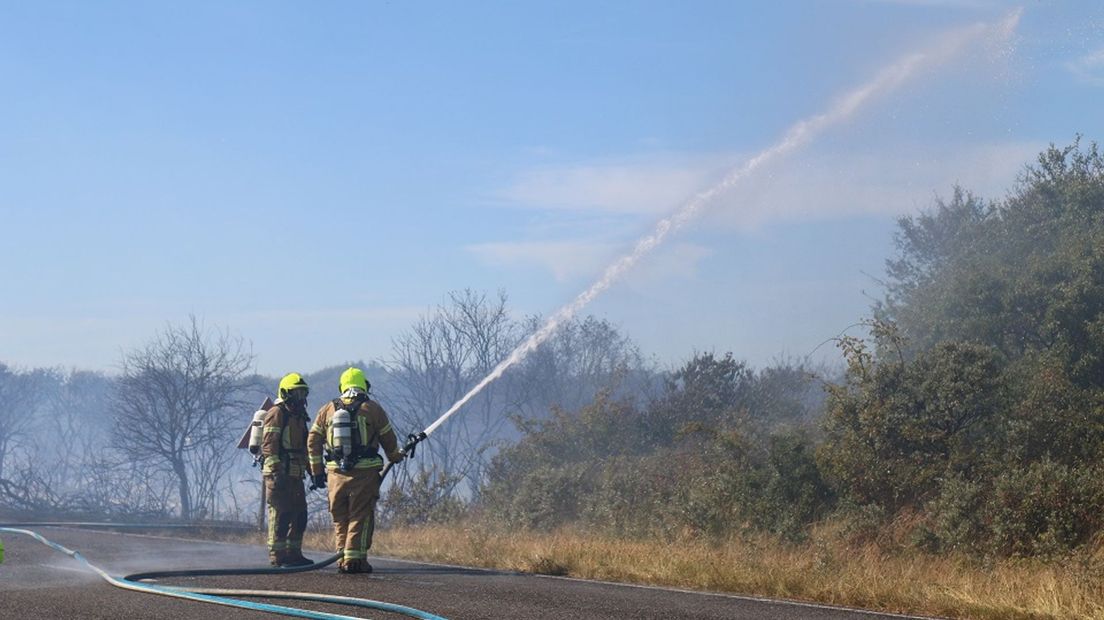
point(824, 570)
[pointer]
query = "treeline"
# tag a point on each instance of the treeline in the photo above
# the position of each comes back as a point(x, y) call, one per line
point(971, 417)
point(152, 442)
point(158, 438)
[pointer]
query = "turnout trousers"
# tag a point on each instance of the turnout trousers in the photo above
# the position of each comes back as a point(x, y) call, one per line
point(353, 497)
point(287, 516)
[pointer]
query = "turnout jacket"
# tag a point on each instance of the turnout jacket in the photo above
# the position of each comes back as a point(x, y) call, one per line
point(284, 443)
point(371, 430)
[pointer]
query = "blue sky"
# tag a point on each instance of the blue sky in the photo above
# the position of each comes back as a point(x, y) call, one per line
point(313, 177)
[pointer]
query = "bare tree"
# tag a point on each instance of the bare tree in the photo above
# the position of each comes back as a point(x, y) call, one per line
point(67, 431)
point(18, 393)
point(172, 402)
point(456, 345)
point(435, 363)
point(75, 427)
point(584, 357)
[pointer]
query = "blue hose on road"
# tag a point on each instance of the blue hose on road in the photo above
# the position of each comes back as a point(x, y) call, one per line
point(216, 596)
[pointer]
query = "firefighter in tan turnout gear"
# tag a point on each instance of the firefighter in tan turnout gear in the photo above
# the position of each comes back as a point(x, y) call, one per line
point(343, 448)
point(284, 447)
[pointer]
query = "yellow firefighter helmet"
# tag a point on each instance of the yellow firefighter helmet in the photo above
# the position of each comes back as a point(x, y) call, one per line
point(291, 382)
point(354, 378)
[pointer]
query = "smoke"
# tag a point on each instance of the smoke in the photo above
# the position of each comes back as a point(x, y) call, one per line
point(947, 47)
point(31, 565)
point(43, 572)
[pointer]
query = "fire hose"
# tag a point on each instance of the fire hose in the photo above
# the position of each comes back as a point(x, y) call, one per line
point(219, 596)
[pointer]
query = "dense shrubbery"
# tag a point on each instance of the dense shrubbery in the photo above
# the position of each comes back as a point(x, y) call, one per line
point(974, 414)
point(896, 429)
point(1045, 509)
point(714, 452)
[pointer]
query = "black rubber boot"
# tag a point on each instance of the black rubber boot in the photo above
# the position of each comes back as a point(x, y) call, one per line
point(357, 566)
point(295, 558)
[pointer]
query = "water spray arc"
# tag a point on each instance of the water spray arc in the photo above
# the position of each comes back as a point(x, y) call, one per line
point(798, 135)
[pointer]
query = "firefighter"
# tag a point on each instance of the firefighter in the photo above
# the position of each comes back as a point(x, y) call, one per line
point(343, 448)
point(284, 448)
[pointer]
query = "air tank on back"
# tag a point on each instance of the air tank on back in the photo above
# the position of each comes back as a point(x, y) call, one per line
point(256, 432)
point(342, 439)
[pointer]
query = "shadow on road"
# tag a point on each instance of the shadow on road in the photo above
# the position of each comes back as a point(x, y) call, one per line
point(442, 570)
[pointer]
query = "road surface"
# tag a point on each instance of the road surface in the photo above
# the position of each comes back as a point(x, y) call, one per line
point(38, 582)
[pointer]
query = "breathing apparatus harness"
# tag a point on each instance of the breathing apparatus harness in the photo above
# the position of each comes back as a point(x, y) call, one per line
point(347, 447)
point(256, 433)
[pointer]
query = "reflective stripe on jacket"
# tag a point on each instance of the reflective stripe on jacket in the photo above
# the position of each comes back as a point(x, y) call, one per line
point(284, 442)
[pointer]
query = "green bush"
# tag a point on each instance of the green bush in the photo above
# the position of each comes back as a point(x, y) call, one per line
point(958, 520)
point(795, 493)
point(428, 498)
point(1047, 509)
point(635, 496)
point(543, 498)
point(1044, 509)
point(896, 429)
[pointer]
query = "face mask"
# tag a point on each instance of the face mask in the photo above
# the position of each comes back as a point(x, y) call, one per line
point(298, 395)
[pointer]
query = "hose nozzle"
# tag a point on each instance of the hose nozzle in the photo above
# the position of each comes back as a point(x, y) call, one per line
point(412, 441)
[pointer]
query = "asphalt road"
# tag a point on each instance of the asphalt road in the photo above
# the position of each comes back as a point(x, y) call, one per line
point(36, 581)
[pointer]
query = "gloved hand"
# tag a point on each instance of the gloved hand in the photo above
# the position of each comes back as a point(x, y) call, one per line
point(396, 457)
point(318, 481)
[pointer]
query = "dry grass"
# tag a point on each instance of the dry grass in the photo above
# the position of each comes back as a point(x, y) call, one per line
point(827, 569)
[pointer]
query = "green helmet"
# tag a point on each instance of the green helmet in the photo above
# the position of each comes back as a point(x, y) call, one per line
point(292, 381)
point(354, 378)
